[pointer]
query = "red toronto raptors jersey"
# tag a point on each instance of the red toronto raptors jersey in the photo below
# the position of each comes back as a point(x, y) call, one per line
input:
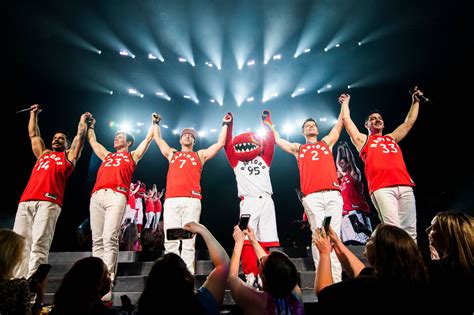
point(48, 178)
point(149, 205)
point(115, 173)
point(317, 168)
point(184, 175)
point(352, 195)
point(158, 205)
point(131, 200)
point(384, 164)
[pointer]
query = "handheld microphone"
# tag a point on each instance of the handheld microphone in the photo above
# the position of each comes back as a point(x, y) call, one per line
point(422, 97)
point(28, 109)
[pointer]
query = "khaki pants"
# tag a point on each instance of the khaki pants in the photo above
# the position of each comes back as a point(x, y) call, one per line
point(107, 209)
point(177, 212)
point(36, 221)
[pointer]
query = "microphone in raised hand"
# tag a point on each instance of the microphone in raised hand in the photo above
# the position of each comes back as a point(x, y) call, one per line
point(39, 107)
point(421, 97)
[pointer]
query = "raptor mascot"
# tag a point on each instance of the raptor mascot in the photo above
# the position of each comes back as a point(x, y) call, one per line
point(250, 156)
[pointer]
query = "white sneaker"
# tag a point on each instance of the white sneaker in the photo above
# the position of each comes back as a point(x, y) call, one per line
point(250, 279)
point(259, 282)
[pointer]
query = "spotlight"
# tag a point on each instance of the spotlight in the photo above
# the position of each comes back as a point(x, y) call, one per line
point(329, 86)
point(181, 59)
point(111, 92)
point(165, 126)
point(99, 51)
point(250, 99)
point(359, 43)
point(349, 86)
point(151, 56)
point(326, 49)
point(250, 62)
point(277, 57)
point(337, 45)
point(307, 50)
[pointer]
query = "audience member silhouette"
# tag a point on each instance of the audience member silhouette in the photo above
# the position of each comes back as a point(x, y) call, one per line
point(451, 270)
point(170, 284)
point(281, 293)
point(17, 293)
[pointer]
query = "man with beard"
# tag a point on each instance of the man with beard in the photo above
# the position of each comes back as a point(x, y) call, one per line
point(183, 189)
point(42, 199)
point(390, 185)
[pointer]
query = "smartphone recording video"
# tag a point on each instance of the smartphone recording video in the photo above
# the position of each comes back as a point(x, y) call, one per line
point(178, 234)
point(244, 221)
point(326, 223)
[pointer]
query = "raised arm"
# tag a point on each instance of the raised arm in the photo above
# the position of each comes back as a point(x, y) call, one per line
point(165, 149)
point(229, 149)
point(334, 134)
point(145, 144)
point(37, 143)
point(339, 156)
point(355, 172)
point(98, 148)
point(259, 251)
point(402, 130)
point(350, 263)
point(209, 153)
point(285, 145)
point(323, 276)
point(269, 141)
point(74, 152)
point(357, 138)
point(243, 295)
point(216, 281)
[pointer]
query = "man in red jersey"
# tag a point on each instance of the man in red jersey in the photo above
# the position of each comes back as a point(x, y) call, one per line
point(183, 189)
point(109, 195)
point(318, 181)
point(42, 199)
point(390, 185)
point(355, 226)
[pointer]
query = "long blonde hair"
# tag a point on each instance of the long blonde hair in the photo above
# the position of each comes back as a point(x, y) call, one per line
point(11, 252)
point(457, 245)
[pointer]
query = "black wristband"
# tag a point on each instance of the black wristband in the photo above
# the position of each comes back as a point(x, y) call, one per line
point(226, 123)
point(156, 122)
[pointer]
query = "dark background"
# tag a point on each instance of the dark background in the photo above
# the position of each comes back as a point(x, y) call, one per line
point(421, 43)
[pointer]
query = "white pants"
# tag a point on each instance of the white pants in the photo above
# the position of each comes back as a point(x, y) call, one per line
point(139, 211)
point(348, 231)
point(317, 206)
point(107, 208)
point(396, 206)
point(129, 214)
point(36, 221)
point(262, 217)
point(157, 220)
point(178, 212)
point(150, 217)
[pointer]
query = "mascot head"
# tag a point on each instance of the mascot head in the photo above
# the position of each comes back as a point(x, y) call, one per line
point(247, 146)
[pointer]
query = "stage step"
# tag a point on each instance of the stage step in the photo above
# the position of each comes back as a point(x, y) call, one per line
point(133, 269)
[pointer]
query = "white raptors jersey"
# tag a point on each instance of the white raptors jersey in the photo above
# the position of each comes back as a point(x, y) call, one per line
point(253, 178)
